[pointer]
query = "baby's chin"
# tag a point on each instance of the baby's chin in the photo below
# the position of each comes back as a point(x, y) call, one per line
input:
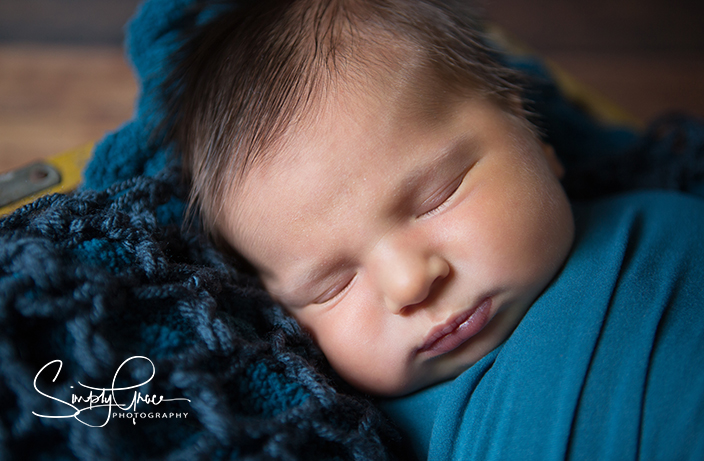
point(404, 384)
point(384, 385)
point(402, 388)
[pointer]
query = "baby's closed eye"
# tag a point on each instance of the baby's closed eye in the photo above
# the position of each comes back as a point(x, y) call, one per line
point(336, 290)
point(441, 199)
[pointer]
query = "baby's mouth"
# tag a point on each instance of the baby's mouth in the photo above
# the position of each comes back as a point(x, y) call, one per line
point(456, 331)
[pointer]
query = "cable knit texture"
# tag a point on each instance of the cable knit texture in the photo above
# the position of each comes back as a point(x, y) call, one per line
point(98, 277)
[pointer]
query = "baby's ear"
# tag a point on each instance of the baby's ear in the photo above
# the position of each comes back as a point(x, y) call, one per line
point(554, 162)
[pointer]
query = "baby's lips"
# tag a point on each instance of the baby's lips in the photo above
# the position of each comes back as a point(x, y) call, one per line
point(453, 333)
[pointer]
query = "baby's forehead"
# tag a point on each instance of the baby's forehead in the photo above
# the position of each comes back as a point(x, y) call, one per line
point(356, 116)
point(352, 158)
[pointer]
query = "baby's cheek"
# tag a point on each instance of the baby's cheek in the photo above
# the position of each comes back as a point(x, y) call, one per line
point(362, 351)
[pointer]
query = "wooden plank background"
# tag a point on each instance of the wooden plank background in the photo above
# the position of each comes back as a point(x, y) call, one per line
point(64, 81)
point(646, 55)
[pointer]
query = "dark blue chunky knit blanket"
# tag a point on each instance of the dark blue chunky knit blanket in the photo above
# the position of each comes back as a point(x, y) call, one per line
point(108, 306)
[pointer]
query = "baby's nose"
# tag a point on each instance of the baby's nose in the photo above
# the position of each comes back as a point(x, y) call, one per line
point(409, 278)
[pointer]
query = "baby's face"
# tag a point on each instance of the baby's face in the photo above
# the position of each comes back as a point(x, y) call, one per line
point(408, 238)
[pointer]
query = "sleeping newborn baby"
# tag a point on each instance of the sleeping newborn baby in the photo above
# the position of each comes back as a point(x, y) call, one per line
point(373, 163)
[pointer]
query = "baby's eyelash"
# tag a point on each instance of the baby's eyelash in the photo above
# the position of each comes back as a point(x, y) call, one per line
point(446, 195)
point(334, 292)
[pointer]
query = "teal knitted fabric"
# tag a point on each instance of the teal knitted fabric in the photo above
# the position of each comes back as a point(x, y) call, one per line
point(97, 278)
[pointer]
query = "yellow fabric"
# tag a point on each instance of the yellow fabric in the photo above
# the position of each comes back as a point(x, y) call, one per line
point(70, 165)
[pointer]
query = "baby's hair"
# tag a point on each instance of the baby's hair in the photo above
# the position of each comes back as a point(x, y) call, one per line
point(246, 76)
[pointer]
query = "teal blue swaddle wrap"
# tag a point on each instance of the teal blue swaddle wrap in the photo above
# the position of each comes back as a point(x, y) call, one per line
point(608, 362)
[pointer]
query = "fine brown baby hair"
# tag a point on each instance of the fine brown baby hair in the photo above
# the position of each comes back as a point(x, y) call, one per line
point(244, 77)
